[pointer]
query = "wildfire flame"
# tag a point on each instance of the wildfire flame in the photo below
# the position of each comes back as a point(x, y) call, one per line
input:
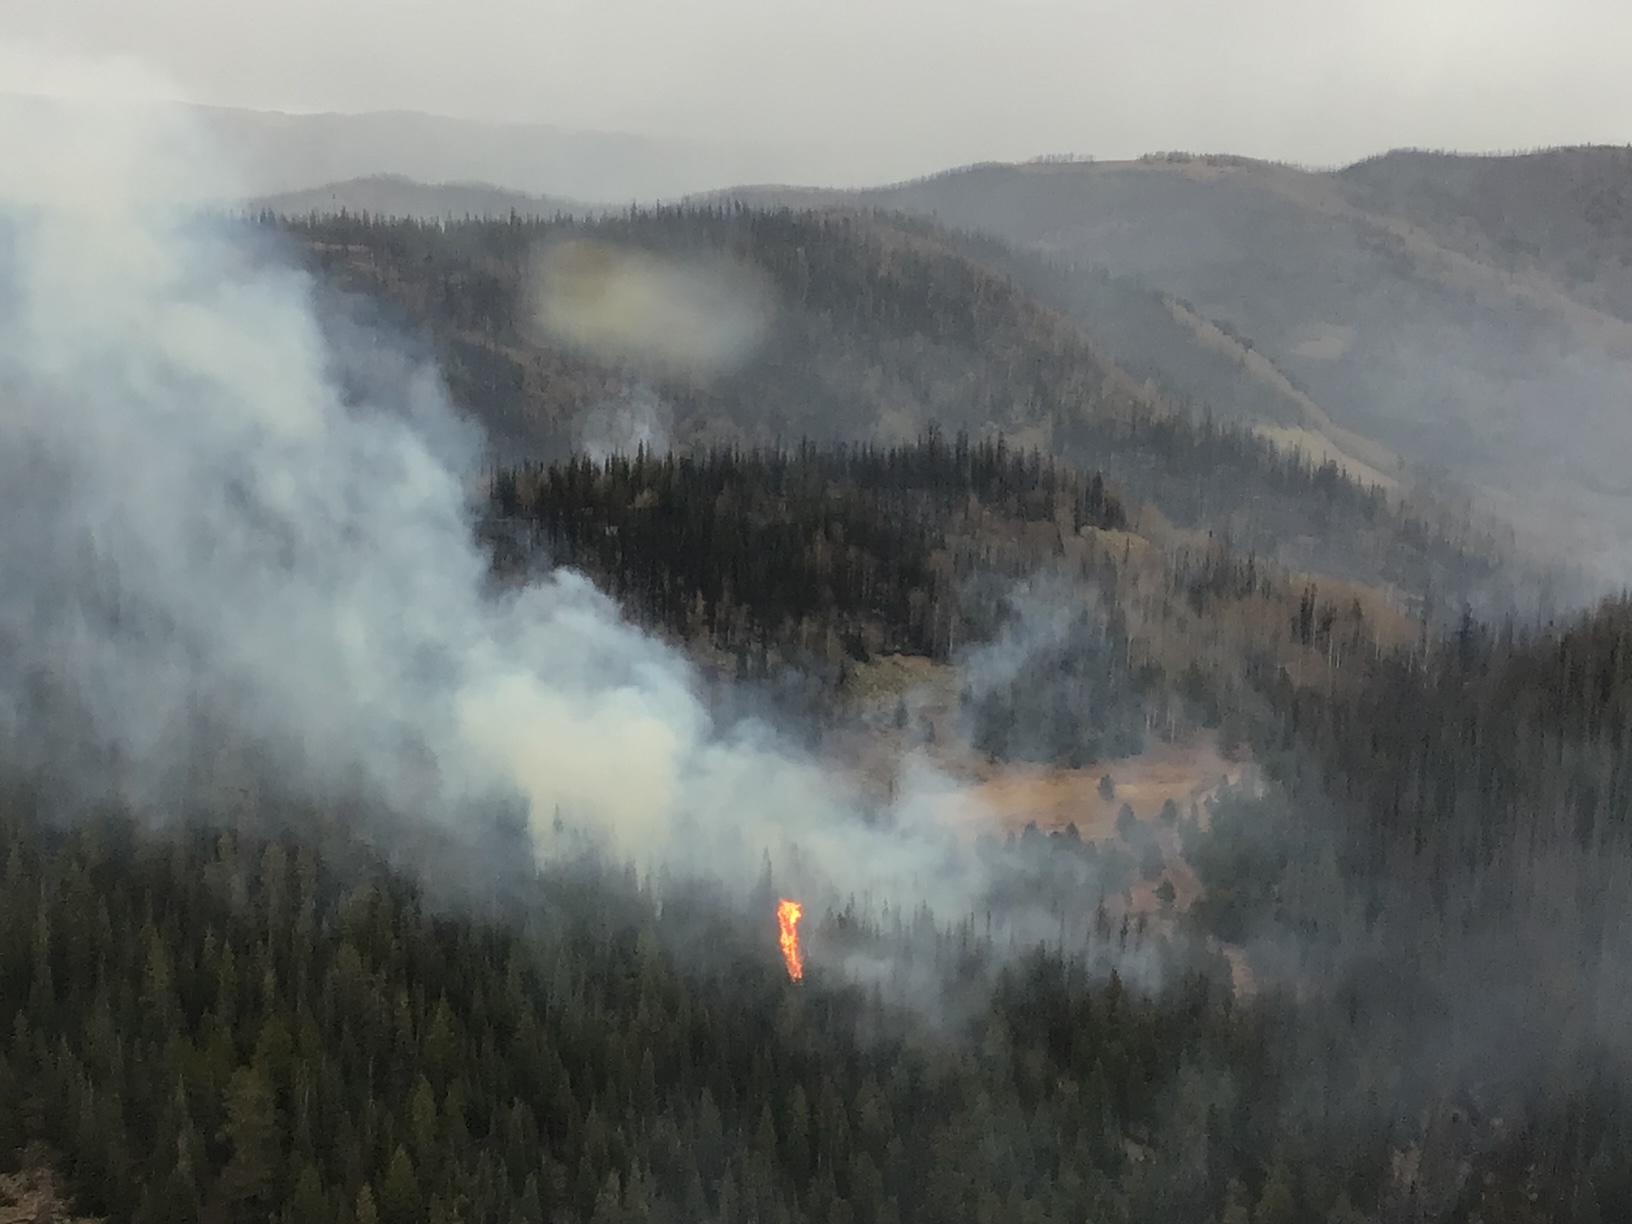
point(788, 914)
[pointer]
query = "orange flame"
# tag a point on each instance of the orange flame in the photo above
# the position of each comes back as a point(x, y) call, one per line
point(788, 914)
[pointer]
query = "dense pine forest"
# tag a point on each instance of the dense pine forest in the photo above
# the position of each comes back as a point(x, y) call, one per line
point(863, 537)
point(1373, 974)
point(813, 561)
point(219, 1028)
point(264, 1017)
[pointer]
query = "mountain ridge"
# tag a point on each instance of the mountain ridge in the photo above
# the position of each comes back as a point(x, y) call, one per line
point(1502, 376)
point(271, 152)
point(1392, 341)
point(397, 195)
point(877, 328)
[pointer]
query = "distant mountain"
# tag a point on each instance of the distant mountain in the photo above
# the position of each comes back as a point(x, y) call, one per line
point(870, 327)
point(1565, 213)
point(1181, 354)
point(274, 152)
point(393, 195)
point(1158, 338)
point(1468, 313)
point(1457, 327)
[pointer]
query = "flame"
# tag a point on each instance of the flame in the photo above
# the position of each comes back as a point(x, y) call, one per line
point(788, 914)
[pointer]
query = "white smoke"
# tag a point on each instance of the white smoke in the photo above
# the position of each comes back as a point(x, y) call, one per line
point(227, 524)
point(1042, 613)
point(636, 420)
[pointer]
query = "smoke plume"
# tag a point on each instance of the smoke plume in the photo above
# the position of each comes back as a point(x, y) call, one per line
point(229, 524)
point(634, 420)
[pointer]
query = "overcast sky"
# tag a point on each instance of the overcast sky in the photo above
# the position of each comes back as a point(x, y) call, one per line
point(872, 89)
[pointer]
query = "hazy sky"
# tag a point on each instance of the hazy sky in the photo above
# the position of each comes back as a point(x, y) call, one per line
point(877, 88)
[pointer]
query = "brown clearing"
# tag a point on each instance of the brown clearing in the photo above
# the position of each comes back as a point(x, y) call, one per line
point(33, 1196)
point(1187, 774)
point(1053, 797)
point(1010, 796)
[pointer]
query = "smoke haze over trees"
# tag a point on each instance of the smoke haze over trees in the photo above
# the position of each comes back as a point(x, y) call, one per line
point(429, 651)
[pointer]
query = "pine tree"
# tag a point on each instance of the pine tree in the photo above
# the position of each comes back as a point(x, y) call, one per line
point(365, 1212)
point(307, 1201)
point(399, 1193)
point(1276, 1204)
point(251, 1131)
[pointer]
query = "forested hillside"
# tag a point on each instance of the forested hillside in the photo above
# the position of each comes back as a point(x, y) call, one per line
point(1458, 322)
point(1565, 213)
point(872, 543)
point(216, 1026)
point(262, 1015)
point(810, 562)
point(1469, 313)
point(1436, 870)
point(393, 195)
point(919, 534)
point(875, 330)
point(1186, 356)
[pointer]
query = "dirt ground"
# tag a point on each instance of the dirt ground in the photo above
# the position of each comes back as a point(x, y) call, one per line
point(1010, 796)
point(1187, 774)
point(910, 705)
point(33, 1196)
